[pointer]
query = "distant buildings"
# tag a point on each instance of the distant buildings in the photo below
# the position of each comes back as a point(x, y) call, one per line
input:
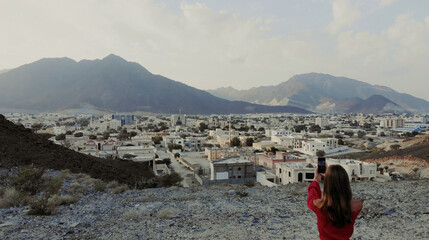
point(392, 123)
point(178, 119)
point(124, 119)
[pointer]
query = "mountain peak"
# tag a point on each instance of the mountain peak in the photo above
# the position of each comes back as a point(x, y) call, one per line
point(113, 57)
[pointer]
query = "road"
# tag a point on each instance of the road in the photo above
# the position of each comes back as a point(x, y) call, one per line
point(188, 179)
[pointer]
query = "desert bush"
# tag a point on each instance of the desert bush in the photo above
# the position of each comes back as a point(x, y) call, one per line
point(169, 180)
point(28, 180)
point(40, 206)
point(113, 184)
point(165, 213)
point(249, 184)
point(130, 215)
point(10, 197)
point(99, 185)
point(241, 193)
point(65, 173)
point(146, 183)
point(58, 200)
point(120, 189)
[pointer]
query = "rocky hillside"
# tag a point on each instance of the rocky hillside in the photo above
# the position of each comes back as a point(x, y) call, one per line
point(110, 84)
point(321, 93)
point(392, 210)
point(376, 104)
point(19, 146)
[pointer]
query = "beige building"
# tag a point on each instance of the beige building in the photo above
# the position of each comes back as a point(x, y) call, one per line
point(292, 172)
point(231, 168)
point(357, 170)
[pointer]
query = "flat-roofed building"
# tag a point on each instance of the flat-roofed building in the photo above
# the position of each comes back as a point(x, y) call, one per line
point(357, 170)
point(292, 172)
point(231, 168)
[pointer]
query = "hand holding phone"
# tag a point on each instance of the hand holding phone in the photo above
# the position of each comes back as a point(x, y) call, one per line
point(321, 165)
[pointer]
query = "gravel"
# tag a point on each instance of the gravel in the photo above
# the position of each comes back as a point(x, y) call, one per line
point(392, 210)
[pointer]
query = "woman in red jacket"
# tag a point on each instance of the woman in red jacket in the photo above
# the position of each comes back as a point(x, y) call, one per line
point(335, 209)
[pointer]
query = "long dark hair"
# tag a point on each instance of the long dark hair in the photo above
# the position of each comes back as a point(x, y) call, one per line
point(337, 196)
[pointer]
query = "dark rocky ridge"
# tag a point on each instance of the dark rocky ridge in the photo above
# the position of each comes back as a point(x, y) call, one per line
point(375, 104)
point(20, 146)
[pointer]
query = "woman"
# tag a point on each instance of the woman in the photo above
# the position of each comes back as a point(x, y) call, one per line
point(335, 209)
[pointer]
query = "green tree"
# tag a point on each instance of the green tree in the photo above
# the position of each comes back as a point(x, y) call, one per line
point(249, 142)
point(106, 135)
point(60, 137)
point(235, 142)
point(315, 128)
point(299, 128)
point(361, 134)
point(123, 134)
point(176, 155)
point(157, 139)
point(92, 136)
point(320, 153)
point(78, 134)
point(167, 161)
point(133, 134)
point(203, 127)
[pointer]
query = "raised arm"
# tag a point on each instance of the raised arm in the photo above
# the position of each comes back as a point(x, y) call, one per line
point(314, 191)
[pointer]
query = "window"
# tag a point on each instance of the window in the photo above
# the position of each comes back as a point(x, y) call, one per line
point(309, 175)
point(280, 179)
point(280, 170)
point(289, 173)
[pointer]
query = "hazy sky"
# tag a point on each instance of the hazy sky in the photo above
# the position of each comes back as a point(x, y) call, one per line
point(238, 43)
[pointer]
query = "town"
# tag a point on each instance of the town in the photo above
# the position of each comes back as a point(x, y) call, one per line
point(271, 149)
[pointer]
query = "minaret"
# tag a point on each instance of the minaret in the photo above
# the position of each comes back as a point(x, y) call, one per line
point(229, 133)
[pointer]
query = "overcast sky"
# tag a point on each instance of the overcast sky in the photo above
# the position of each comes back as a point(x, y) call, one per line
point(238, 43)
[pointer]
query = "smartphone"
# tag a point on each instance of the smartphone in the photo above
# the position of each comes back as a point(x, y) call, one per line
point(321, 165)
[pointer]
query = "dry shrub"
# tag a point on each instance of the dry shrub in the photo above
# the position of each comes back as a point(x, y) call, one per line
point(113, 184)
point(10, 197)
point(241, 193)
point(168, 180)
point(58, 200)
point(99, 185)
point(120, 189)
point(130, 215)
point(166, 213)
point(28, 179)
point(249, 184)
point(40, 206)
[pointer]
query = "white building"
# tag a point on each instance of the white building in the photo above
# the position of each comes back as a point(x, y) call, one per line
point(292, 172)
point(322, 122)
point(231, 168)
point(328, 145)
point(357, 170)
point(140, 152)
point(392, 123)
point(178, 119)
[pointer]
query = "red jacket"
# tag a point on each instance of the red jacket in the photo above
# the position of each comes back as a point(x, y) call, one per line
point(326, 229)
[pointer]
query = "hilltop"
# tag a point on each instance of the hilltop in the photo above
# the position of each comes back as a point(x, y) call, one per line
point(20, 146)
point(392, 210)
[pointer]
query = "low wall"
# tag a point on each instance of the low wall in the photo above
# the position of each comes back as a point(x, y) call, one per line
point(230, 181)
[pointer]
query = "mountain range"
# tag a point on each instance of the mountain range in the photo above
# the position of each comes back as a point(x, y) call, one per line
point(326, 93)
point(111, 84)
